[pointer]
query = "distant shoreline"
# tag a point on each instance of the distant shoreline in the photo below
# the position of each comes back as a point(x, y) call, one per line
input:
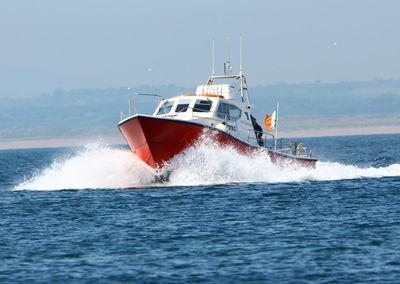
point(79, 142)
point(59, 142)
point(343, 131)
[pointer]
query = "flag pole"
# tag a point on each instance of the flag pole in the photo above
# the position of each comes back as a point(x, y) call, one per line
point(276, 124)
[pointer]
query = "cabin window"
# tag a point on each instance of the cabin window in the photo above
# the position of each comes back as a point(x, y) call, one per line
point(228, 111)
point(182, 106)
point(202, 106)
point(165, 108)
point(223, 111)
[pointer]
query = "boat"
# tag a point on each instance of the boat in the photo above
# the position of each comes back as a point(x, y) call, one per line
point(219, 109)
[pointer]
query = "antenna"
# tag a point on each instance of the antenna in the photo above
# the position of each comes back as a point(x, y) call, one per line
point(227, 64)
point(213, 57)
point(228, 42)
point(240, 59)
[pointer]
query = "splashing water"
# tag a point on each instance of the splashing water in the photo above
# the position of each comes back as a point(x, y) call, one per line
point(210, 164)
point(206, 163)
point(94, 167)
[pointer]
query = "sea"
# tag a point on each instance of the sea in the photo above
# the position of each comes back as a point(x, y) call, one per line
point(97, 214)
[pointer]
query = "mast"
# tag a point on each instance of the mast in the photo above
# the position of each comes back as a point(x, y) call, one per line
point(228, 72)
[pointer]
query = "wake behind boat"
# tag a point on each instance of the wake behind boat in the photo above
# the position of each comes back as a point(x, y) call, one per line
point(221, 110)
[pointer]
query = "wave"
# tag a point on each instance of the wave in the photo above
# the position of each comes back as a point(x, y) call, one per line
point(212, 164)
point(94, 167)
point(106, 167)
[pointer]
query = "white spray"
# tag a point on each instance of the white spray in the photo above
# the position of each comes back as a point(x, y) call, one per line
point(206, 163)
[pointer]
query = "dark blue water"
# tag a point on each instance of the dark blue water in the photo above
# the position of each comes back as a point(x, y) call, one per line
point(337, 224)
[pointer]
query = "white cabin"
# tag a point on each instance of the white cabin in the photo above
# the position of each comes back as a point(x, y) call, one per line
point(215, 106)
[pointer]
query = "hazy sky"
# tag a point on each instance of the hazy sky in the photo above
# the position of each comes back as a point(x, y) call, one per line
point(71, 44)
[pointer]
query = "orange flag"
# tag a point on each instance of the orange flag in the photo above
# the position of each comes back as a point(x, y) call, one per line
point(270, 121)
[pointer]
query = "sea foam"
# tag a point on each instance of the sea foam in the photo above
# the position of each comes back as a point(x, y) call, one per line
point(206, 163)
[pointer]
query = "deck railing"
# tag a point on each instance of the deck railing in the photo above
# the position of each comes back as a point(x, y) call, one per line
point(132, 106)
point(294, 148)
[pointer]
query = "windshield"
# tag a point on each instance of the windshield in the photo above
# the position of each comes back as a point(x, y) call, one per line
point(182, 106)
point(165, 108)
point(202, 106)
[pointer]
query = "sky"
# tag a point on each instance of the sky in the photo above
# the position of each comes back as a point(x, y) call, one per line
point(47, 44)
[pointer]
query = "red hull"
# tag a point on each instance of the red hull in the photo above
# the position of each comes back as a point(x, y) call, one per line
point(157, 140)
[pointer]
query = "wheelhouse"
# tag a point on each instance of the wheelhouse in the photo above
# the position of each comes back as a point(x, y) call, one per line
point(194, 106)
